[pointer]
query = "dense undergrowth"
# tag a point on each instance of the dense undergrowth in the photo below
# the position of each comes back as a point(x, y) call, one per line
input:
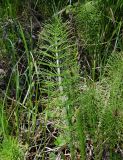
point(61, 77)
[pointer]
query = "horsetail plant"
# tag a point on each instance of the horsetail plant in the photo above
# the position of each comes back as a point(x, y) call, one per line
point(59, 71)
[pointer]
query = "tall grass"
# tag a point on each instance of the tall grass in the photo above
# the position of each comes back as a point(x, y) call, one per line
point(13, 103)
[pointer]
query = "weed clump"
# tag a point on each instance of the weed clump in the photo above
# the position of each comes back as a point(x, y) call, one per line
point(10, 149)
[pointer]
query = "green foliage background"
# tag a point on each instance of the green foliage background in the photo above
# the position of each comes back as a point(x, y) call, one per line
point(62, 64)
